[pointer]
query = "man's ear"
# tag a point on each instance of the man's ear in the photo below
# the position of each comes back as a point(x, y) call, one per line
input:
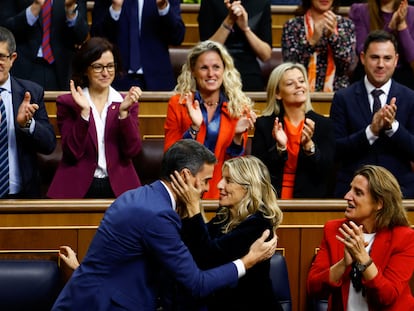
point(182, 173)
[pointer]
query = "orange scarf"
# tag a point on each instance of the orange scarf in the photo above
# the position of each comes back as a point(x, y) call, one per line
point(312, 66)
point(293, 144)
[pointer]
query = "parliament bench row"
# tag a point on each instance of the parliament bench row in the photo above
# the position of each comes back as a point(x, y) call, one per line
point(36, 228)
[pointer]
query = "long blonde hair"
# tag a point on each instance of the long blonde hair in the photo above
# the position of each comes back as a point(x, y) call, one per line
point(232, 85)
point(251, 173)
point(274, 105)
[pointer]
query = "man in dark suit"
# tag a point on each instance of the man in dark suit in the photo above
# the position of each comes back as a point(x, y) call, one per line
point(68, 28)
point(27, 123)
point(366, 136)
point(139, 237)
point(143, 31)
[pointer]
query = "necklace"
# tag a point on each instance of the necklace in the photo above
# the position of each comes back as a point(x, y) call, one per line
point(210, 104)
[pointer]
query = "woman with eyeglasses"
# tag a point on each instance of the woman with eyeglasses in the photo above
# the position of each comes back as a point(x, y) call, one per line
point(99, 128)
point(366, 259)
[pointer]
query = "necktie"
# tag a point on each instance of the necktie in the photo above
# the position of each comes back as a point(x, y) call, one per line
point(377, 102)
point(134, 52)
point(46, 18)
point(4, 156)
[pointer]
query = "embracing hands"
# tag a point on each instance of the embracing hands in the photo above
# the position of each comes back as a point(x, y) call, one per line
point(187, 190)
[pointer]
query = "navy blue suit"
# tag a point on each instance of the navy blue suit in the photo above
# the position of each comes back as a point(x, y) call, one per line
point(157, 34)
point(42, 140)
point(351, 114)
point(138, 237)
point(63, 39)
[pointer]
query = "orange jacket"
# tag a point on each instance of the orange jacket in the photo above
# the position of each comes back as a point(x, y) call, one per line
point(178, 122)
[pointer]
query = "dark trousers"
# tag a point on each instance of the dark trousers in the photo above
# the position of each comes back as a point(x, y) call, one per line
point(100, 189)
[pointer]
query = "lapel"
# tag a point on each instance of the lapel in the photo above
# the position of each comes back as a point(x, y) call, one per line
point(361, 103)
point(381, 248)
point(17, 97)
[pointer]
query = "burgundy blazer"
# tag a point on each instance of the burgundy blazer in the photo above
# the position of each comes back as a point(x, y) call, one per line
point(393, 254)
point(79, 145)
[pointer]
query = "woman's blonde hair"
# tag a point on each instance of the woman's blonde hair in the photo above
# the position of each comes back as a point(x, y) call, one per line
point(232, 85)
point(274, 105)
point(250, 172)
point(384, 187)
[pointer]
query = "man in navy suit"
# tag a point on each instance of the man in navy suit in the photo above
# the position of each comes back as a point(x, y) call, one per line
point(384, 137)
point(139, 240)
point(68, 29)
point(28, 128)
point(143, 31)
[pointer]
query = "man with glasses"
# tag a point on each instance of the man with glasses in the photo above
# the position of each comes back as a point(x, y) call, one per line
point(25, 129)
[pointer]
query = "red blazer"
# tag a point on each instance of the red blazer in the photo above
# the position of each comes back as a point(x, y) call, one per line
point(178, 122)
point(392, 253)
point(79, 145)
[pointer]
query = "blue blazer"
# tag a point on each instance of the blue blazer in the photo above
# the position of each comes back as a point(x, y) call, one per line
point(157, 34)
point(42, 140)
point(138, 238)
point(351, 114)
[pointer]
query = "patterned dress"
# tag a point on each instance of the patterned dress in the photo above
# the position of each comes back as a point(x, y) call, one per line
point(296, 48)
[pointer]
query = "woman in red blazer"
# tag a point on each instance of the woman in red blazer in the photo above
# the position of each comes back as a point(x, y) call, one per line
point(366, 260)
point(99, 129)
point(210, 107)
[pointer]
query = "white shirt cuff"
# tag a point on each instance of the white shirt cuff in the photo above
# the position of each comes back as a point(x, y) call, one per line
point(241, 270)
point(394, 127)
point(370, 135)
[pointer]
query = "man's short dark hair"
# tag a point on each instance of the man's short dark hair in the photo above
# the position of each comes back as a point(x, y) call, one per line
point(380, 36)
point(185, 153)
point(8, 37)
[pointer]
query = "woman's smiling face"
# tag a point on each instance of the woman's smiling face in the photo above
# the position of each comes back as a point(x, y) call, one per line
point(208, 72)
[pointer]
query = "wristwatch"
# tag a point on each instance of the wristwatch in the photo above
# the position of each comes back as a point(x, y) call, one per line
point(73, 12)
point(361, 267)
point(28, 122)
point(311, 150)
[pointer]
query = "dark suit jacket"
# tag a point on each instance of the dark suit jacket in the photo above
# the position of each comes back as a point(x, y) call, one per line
point(80, 155)
point(351, 114)
point(138, 236)
point(313, 172)
point(63, 39)
point(210, 247)
point(43, 139)
point(393, 254)
point(157, 33)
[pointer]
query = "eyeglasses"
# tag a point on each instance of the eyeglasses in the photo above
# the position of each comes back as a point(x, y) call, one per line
point(4, 57)
point(99, 67)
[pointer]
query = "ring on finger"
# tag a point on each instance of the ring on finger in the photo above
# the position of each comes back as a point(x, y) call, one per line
point(348, 238)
